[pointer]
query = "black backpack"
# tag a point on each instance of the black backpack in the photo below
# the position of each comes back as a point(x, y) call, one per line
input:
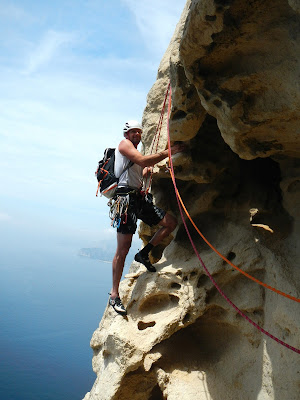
point(107, 180)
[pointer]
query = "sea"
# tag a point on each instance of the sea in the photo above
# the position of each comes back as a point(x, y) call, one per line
point(51, 302)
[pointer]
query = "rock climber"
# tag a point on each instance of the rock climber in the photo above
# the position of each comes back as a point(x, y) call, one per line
point(140, 205)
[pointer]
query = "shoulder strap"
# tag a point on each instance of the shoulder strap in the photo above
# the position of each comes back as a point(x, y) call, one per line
point(128, 166)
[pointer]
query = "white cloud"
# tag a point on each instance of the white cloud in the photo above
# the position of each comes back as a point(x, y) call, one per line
point(4, 217)
point(83, 76)
point(10, 11)
point(48, 47)
point(156, 21)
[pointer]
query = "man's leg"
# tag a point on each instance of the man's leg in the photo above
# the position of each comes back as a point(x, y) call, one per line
point(123, 246)
point(168, 224)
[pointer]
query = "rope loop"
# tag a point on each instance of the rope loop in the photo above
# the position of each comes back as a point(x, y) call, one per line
point(181, 208)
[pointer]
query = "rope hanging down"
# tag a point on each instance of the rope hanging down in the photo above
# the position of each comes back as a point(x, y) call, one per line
point(157, 136)
point(221, 255)
point(179, 201)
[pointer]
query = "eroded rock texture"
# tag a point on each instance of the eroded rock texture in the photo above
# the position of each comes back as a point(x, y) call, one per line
point(234, 70)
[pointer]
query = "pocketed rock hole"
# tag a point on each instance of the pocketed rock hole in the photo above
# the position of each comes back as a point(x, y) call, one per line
point(179, 115)
point(203, 279)
point(144, 325)
point(158, 303)
point(230, 256)
point(156, 394)
point(175, 285)
point(186, 318)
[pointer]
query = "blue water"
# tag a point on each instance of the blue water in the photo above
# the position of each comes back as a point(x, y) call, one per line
point(50, 304)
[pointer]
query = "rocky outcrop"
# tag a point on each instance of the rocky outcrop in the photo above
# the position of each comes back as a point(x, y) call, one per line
point(233, 66)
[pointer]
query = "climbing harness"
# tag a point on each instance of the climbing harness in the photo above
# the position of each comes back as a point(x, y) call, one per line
point(119, 205)
point(181, 207)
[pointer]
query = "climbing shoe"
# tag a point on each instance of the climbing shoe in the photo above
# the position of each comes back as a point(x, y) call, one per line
point(145, 261)
point(117, 305)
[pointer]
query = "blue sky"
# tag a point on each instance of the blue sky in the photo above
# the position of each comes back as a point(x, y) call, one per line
point(72, 72)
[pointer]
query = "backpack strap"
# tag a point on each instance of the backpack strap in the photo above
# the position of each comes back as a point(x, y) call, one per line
point(99, 183)
point(128, 166)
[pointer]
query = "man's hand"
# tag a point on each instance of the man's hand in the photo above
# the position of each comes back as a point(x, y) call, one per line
point(147, 171)
point(178, 148)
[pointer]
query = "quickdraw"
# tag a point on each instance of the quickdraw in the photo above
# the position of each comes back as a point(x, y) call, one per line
point(118, 210)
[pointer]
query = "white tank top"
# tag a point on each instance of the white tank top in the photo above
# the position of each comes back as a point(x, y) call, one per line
point(133, 176)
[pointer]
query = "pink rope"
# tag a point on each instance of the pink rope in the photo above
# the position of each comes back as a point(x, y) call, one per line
point(160, 122)
point(157, 136)
point(200, 259)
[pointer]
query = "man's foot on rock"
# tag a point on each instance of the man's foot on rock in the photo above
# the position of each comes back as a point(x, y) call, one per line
point(145, 261)
point(117, 305)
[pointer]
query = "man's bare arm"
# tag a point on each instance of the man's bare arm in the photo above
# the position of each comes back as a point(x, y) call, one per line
point(128, 150)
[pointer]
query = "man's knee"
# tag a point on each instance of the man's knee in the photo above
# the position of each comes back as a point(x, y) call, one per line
point(122, 251)
point(124, 244)
point(170, 222)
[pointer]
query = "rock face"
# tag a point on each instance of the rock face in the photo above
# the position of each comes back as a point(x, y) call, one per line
point(234, 71)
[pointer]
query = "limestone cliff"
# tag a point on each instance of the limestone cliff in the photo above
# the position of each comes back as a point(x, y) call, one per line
point(234, 71)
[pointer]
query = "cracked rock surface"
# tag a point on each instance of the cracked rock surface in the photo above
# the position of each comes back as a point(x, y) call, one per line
point(234, 72)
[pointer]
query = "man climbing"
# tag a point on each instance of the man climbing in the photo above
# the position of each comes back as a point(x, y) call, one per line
point(140, 205)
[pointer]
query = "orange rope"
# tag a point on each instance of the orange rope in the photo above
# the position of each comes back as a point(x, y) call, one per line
point(211, 246)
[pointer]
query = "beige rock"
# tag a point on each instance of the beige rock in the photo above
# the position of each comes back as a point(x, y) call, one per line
point(150, 359)
point(233, 67)
point(243, 59)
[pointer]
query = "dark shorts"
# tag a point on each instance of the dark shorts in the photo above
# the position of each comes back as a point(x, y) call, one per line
point(140, 207)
